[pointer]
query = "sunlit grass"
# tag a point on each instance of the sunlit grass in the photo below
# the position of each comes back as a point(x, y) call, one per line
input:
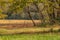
point(23, 30)
point(10, 34)
point(28, 30)
point(30, 37)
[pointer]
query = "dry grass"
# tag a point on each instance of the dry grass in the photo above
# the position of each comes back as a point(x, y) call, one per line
point(23, 30)
point(29, 29)
point(26, 30)
point(17, 21)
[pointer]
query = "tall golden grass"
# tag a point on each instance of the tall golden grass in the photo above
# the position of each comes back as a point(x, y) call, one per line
point(17, 21)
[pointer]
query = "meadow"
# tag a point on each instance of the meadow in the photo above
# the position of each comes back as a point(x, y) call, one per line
point(19, 23)
point(30, 37)
point(29, 33)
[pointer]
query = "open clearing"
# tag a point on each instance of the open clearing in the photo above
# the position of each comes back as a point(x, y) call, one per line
point(28, 30)
point(17, 23)
point(7, 33)
point(31, 37)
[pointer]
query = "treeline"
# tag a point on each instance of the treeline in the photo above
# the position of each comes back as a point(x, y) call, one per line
point(14, 9)
point(48, 11)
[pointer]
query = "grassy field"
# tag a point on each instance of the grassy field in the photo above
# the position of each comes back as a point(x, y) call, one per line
point(16, 33)
point(28, 30)
point(23, 30)
point(11, 34)
point(30, 37)
point(19, 23)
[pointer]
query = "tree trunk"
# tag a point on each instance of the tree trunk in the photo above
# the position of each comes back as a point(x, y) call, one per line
point(30, 16)
point(40, 13)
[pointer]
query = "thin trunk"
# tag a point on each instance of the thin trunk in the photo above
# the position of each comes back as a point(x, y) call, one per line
point(30, 16)
point(40, 13)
